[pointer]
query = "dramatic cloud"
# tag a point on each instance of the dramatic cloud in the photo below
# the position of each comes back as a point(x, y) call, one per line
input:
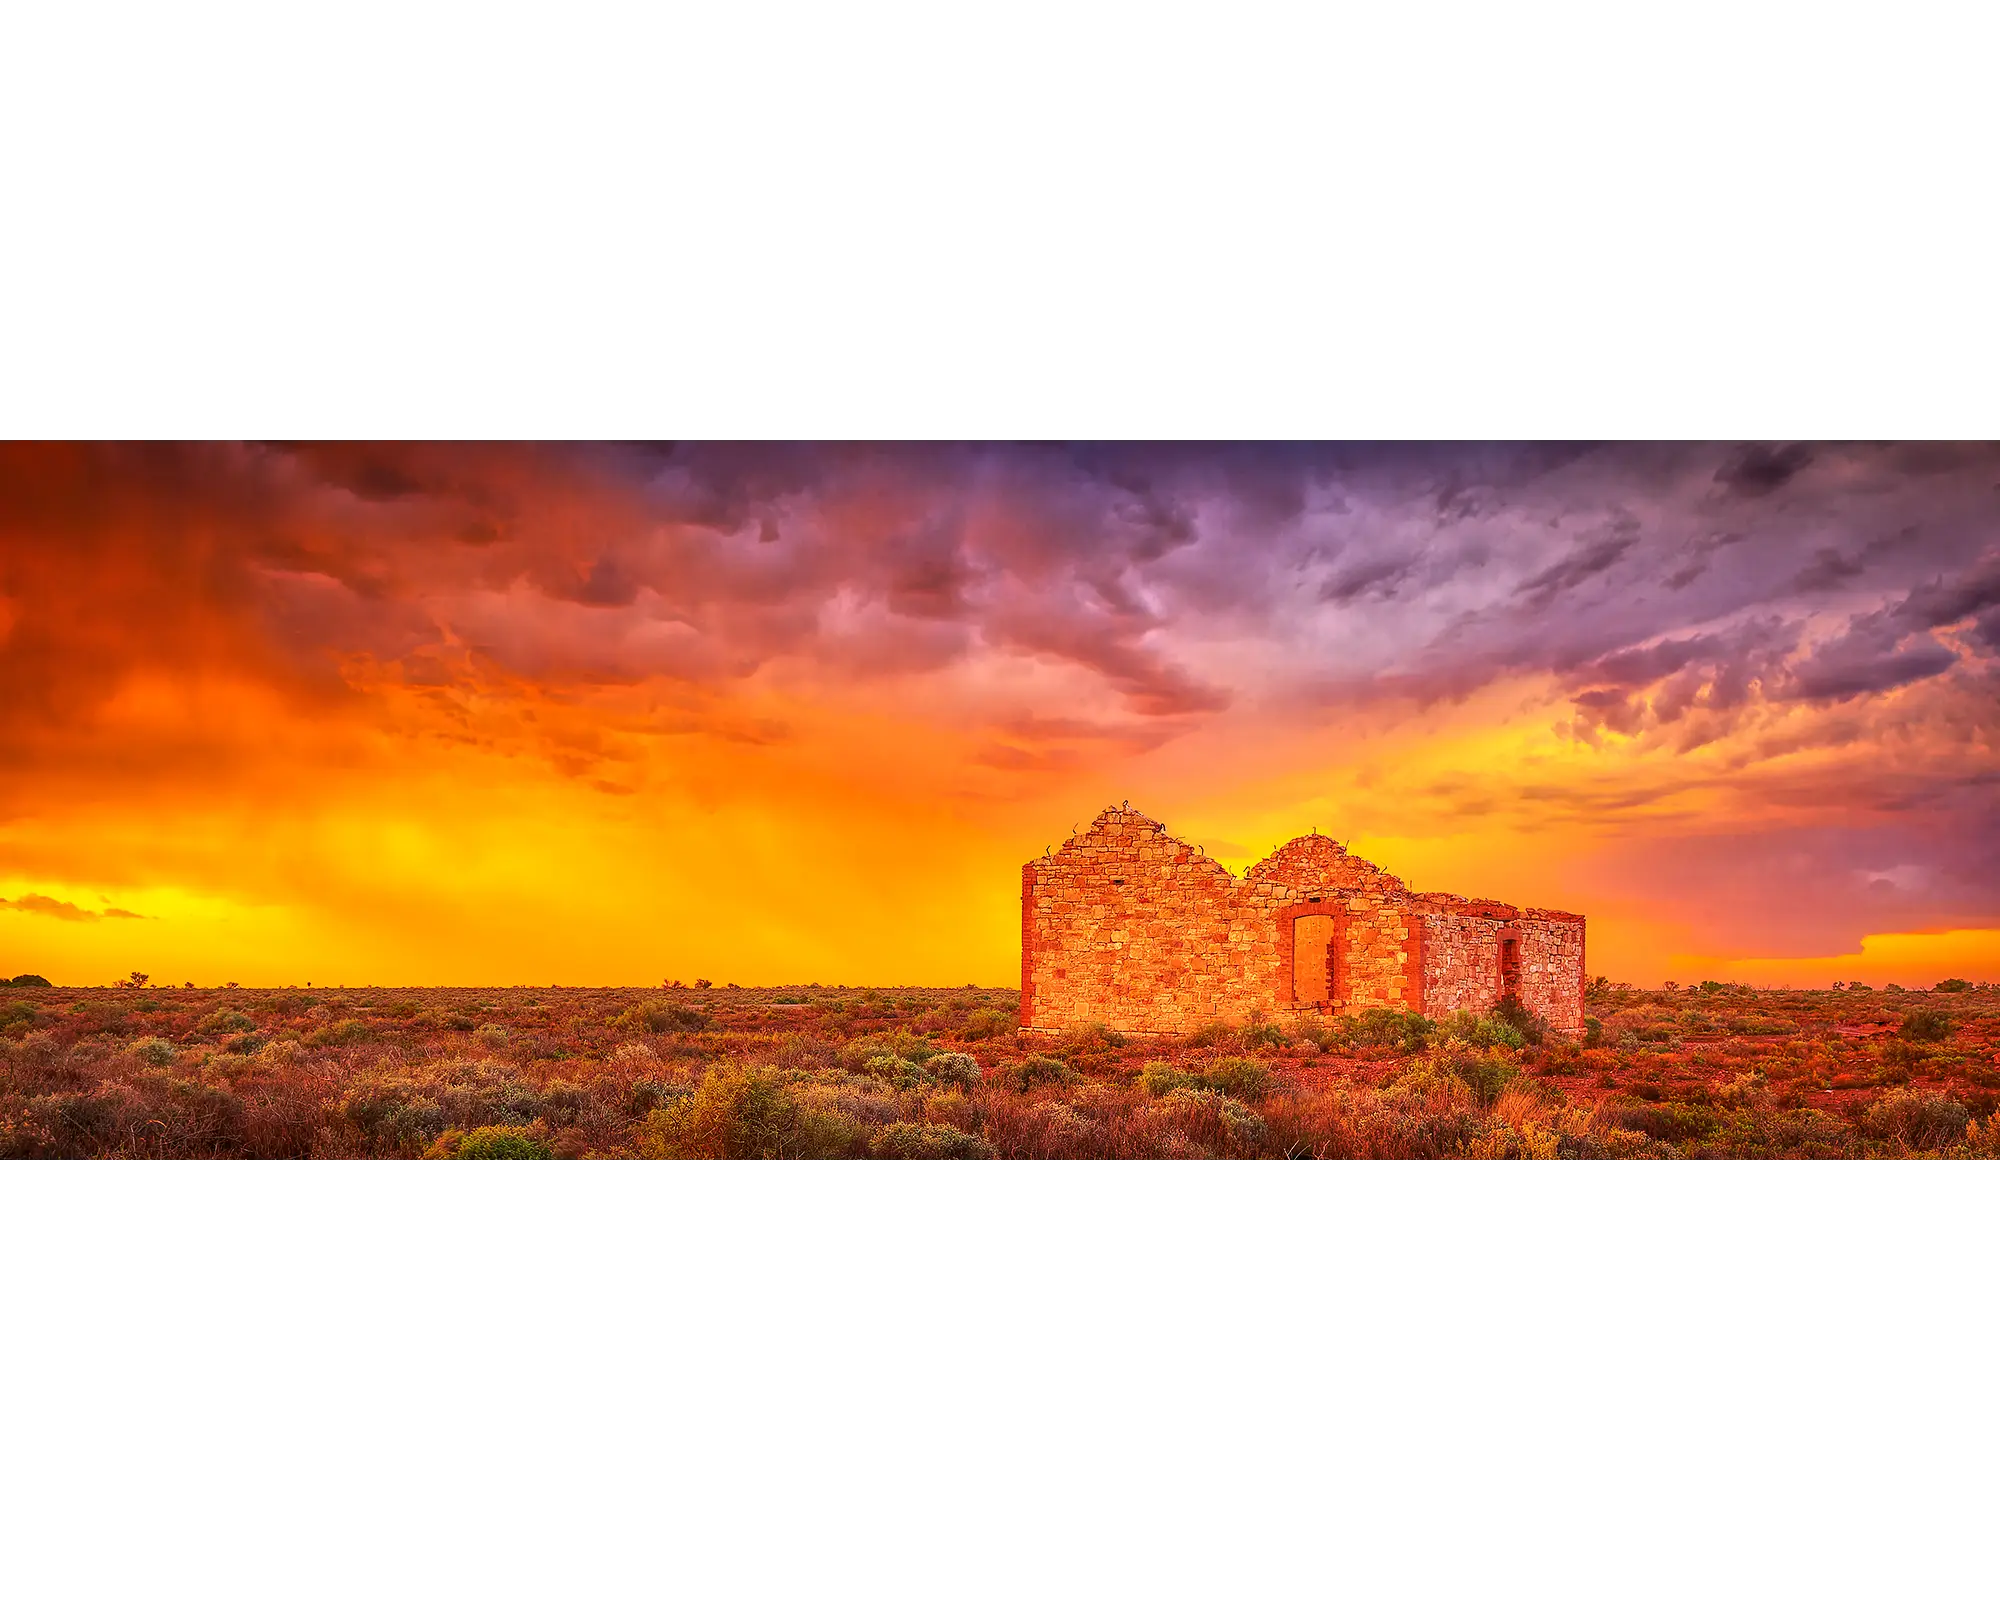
point(243, 660)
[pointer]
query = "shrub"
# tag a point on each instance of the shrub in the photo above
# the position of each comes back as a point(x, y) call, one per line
point(476, 1093)
point(1211, 1120)
point(1483, 1032)
point(1258, 1033)
point(1484, 1074)
point(245, 1044)
point(391, 1112)
point(1094, 1041)
point(650, 1094)
point(1593, 1030)
point(490, 1034)
point(351, 1030)
point(224, 1020)
point(1210, 1034)
point(496, 1142)
point(1917, 1119)
point(562, 1104)
point(954, 1067)
point(1942, 986)
point(1925, 1027)
point(154, 1052)
point(663, 1017)
point(988, 1023)
point(1160, 1078)
point(927, 1141)
point(280, 1053)
point(745, 1113)
point(1032, 1071)
point(1510, 1012)
point(1672, 1121)
point(633, 1057)
point(1239, 1077)
point(903, 1044)
point(896, 1070)
point(34, 980)
point(1406, 1031)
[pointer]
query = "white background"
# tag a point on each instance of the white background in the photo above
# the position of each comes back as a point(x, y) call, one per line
point(1037, 220)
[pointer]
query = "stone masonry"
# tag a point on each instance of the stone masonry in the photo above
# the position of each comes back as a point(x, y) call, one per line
point(1127, 926)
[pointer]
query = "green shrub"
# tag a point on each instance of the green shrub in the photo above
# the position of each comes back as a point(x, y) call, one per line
point(154, 1052)
point(1214, 1121)
point(1032, 1071)
point(391, 1112)
point(224, 1020)
point(1942, 986)
point(1483, 1032)
point(1257, 1033)
point(490, 1034)
point(743, 1113)
point(1210, 1034)
point(245, 1044)
point(1483, 1073)
point(988, 1023)
point(902, 1044)
point(1672, 1121)
point(501, 1142)
point(1925, 1027)
point(1406, 1031)
point(1593, 1030)
point(664, 1017)
point(927, 1141)
point(1511, 1013)
point(1162, 1078)
point(898, 1071)
point(1091, 1041)
point(1238, 1077)
point(953, 1066)
point(30, 980)
point(350, 1030)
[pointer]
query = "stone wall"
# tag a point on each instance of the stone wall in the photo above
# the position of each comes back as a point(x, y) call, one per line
point(1127, 926)
point(1461, 960)
point(1552, 967)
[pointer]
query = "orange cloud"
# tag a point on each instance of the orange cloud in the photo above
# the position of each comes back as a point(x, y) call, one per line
point(589, 713)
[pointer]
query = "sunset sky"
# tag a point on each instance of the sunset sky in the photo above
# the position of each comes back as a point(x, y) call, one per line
point(621, 713)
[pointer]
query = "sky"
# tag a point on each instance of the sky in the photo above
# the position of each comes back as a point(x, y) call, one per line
point(618, 714)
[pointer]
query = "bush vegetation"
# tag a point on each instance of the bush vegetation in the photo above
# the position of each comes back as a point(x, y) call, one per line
point(1713, 1070)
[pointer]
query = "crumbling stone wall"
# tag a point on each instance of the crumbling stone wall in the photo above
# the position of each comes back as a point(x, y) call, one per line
point(1552, 967)
point(1461, 956)
point(1127, 926)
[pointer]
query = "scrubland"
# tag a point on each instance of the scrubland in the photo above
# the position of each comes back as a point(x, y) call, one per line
point(811, 1072)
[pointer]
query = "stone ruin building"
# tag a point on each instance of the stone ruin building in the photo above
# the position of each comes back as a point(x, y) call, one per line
point(1127, 926)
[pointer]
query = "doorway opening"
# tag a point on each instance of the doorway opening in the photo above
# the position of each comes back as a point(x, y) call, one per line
point(1312, 959)
point(1510, 969)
